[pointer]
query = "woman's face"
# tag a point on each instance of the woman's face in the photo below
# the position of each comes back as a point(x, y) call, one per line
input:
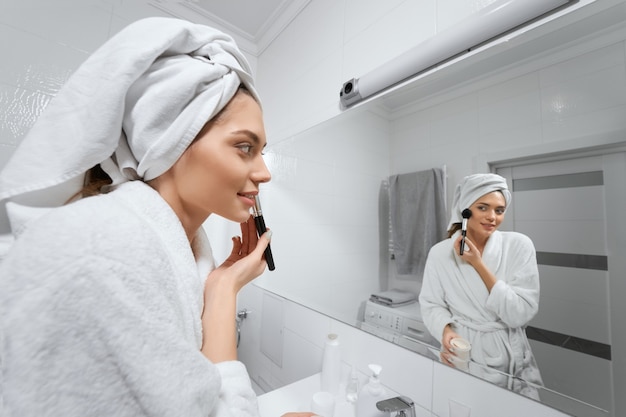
point(221, 170)
point(487, 215)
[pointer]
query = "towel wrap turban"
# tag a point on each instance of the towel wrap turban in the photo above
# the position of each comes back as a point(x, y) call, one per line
point(133, 106)
point(471, 189)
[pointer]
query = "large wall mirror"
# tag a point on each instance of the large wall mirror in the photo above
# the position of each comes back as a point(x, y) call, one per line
point(324, 202)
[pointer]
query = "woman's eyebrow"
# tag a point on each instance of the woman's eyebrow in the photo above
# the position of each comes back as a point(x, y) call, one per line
point(489, 205)
point(253, 136)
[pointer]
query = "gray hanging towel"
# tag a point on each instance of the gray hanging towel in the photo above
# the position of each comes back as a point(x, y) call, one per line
point(418, 217)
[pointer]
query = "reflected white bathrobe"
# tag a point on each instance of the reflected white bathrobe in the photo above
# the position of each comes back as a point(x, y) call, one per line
point(494, 323)
point(100, 312)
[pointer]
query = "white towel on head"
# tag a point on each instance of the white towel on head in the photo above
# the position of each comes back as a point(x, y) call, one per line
point(161, 79)
point(471, 189)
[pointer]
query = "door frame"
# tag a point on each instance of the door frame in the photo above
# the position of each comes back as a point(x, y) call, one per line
point(614, 152)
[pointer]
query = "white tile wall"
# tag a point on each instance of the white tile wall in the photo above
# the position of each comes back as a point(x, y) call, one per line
point(508, 113)
point(450, 12)
point(57, 21)
point(391, 29)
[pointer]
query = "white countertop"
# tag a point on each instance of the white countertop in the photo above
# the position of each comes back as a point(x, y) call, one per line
point(297, 397)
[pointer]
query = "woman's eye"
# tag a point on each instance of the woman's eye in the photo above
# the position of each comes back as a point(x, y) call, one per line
point(245, 148)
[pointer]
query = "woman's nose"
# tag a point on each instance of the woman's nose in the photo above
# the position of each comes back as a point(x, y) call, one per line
point(261, 172)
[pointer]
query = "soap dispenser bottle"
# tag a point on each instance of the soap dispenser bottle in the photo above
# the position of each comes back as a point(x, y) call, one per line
point(370, 394)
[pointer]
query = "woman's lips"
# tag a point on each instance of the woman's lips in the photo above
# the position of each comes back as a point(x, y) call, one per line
point(248, 199)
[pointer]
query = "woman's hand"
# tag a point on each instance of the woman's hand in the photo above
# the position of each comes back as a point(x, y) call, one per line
point(219, 334)
point(447, 351)
point(471, 254)
point(245, 261)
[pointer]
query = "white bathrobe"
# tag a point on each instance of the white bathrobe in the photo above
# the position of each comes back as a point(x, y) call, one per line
point(100, 309)
point(494, 322)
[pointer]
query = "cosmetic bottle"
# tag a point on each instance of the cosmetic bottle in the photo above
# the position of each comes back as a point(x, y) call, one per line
point(370, 394)
point(352, 387)
point(331, 365)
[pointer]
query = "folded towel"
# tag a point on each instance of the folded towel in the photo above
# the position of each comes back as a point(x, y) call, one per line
point(159, 79)
point(393, 298)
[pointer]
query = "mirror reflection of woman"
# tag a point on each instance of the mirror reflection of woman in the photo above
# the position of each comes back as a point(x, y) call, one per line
point(487, 295)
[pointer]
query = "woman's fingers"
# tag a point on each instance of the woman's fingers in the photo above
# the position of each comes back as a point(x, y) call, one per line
point(248, 250)
point(445, 358)
point(249, 236)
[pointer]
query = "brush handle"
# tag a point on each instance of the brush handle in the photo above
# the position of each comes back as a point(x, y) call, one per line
point(260, 228)
point(462, 243)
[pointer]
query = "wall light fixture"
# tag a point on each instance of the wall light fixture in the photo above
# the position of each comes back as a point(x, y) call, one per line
point(491, 22)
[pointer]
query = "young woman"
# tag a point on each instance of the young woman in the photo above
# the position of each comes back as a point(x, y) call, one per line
point(111, 305)
point(488, 294)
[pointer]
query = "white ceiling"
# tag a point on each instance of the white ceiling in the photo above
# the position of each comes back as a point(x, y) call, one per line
point(253, 23)
point(248, 16)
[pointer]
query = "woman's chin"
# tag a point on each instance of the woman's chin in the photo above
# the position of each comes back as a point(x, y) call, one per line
point(241, 218)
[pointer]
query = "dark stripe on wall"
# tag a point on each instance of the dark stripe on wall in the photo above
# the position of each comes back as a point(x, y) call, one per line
point(573, 260)
point(577, 344)
point(582, 179)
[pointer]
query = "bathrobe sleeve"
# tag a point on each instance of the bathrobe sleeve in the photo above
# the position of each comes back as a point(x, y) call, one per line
point(94, 325)
point(515, 297)
point(434, 308)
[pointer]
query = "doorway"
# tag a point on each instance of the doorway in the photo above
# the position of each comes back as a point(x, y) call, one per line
point(571, 206)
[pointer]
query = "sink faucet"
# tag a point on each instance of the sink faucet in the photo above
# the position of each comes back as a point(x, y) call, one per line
point(402, 406)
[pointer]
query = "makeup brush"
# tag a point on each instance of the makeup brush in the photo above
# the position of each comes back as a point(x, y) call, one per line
point(466, 214)
point(257, 213)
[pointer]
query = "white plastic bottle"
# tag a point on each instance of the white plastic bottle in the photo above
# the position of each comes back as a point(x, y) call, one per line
point(331, 365)
point(370, 394)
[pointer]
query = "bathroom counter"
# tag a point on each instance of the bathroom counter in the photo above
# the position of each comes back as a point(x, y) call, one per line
point(297, 397)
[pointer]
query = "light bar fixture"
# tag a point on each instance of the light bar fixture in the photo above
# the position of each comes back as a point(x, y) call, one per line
point(497, 19)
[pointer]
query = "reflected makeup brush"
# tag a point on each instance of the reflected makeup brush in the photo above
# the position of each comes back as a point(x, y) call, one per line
point(466, 214)
point(257, 213)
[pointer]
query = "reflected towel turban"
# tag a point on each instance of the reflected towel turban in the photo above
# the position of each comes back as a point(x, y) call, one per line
point(471, 189)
